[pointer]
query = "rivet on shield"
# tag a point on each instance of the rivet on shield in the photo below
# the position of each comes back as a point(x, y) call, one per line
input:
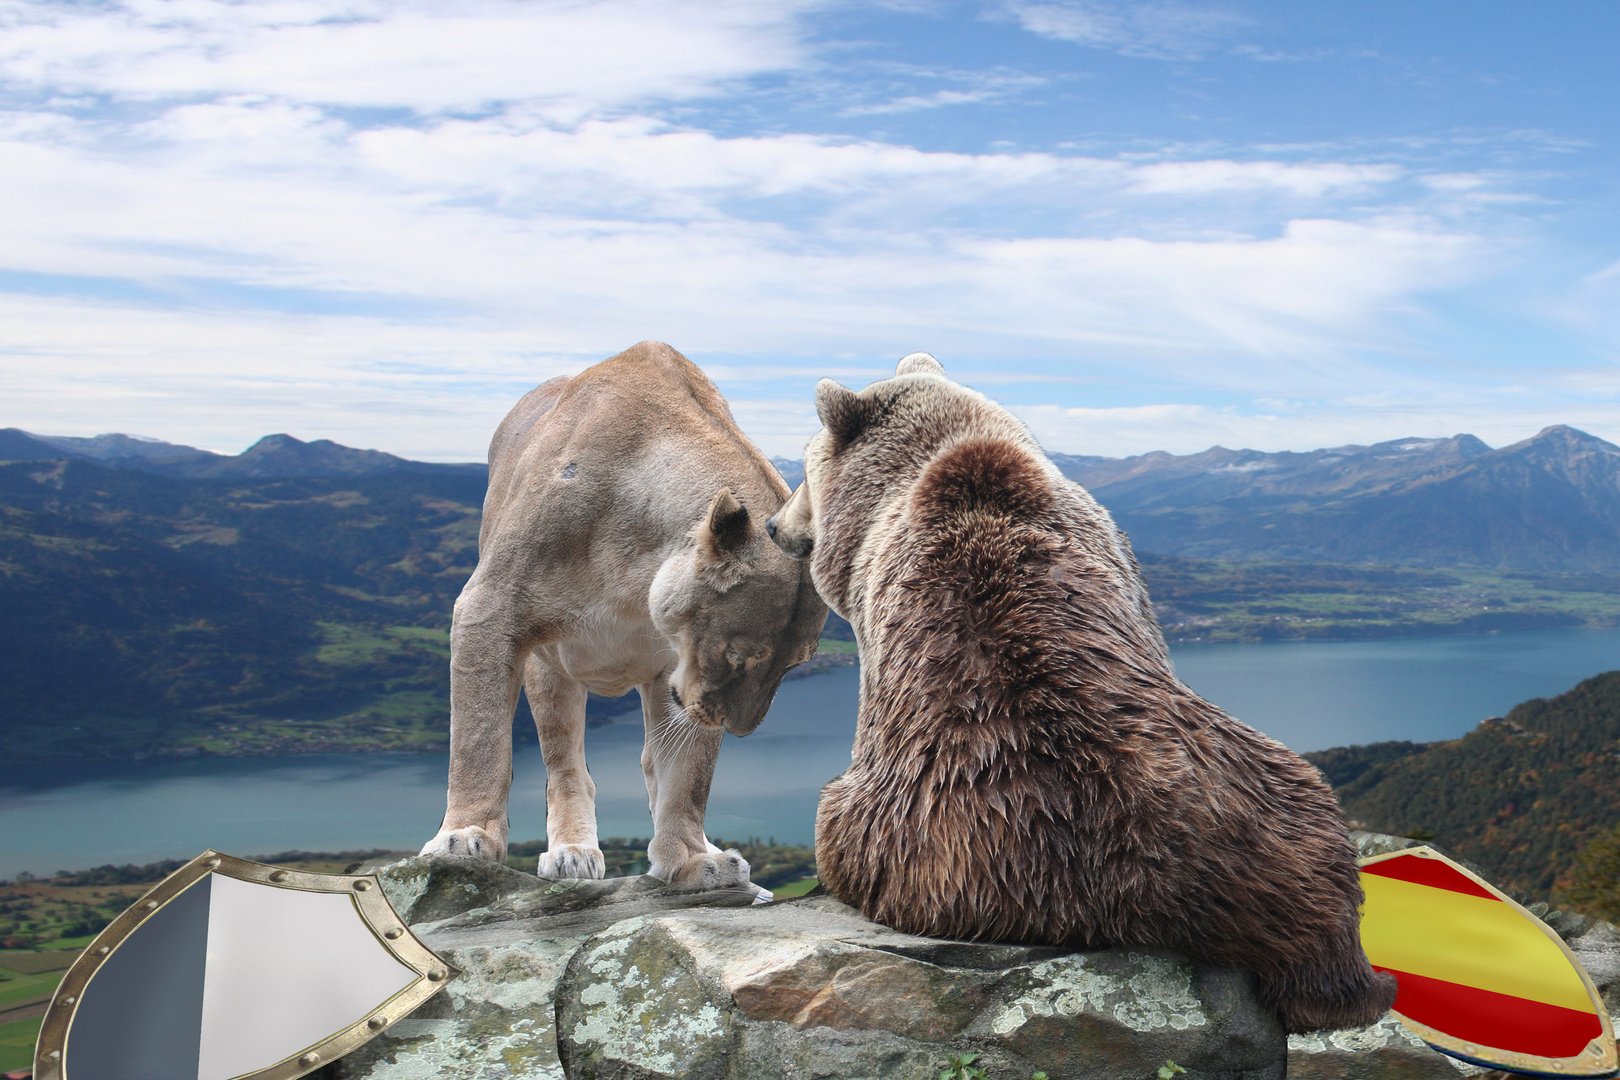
point(221, 975)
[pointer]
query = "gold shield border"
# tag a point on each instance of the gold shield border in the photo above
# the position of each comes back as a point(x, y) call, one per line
point(369, 901)
point(1599, 1057)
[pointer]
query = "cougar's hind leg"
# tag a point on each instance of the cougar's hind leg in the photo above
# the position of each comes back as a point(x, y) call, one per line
point(558, 705)
point(678, 762)
point(485, 667)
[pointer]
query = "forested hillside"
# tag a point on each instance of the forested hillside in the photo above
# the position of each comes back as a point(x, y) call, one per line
point(148, 614)
point(1519, 795)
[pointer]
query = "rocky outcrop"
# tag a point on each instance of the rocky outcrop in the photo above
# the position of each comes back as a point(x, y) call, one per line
point(629, 979)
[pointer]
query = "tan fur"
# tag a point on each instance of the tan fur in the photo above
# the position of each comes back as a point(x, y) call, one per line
point(622, 546)
point(1027, 767)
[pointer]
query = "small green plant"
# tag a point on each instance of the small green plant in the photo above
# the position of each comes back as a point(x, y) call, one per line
point(961, 1067)
point(1169, 1069)
point(1037, 1075)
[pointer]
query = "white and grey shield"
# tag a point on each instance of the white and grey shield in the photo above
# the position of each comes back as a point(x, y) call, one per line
point(233, 969)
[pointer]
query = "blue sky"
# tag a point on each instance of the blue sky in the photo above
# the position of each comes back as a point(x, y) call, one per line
point(1139, 225)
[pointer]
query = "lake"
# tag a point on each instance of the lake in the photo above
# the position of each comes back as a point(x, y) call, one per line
point(1310, 695)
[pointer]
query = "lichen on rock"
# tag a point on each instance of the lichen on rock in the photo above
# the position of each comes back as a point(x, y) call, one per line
point(627, 979)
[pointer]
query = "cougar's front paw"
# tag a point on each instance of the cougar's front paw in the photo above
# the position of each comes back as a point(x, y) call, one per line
point(720, 870)
point(572, 861)
point(471, 842)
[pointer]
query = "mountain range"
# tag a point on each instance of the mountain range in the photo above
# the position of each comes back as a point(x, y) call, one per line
point(160, 599)
point(1548, 503)
point(278, 456)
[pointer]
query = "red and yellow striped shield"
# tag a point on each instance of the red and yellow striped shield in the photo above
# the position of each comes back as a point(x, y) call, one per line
point(1480, 977)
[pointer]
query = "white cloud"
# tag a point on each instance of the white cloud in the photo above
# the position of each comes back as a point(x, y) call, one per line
point(1155, 30)
point(1191, 428)
point(424, 55)
point(221, 379)
point(1307, 180)
point(1453, 181)
point(1302, 298)
point(971, 88)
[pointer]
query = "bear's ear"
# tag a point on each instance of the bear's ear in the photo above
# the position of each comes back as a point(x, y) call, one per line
point(919, 363)
point(843, 412)
point(725, 527)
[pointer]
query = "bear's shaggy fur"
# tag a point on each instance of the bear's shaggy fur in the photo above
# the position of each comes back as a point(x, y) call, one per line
point(1027, 766)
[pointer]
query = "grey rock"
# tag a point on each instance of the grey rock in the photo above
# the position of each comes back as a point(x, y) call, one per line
point(1384, 1051)
point(813, 989)
point(629, 978)
point(442, 896)
point(512, 935)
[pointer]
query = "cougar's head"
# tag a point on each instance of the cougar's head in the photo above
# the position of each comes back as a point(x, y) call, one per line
point(738, 613)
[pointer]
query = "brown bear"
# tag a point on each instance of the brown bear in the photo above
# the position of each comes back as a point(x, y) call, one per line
point(1027, 767)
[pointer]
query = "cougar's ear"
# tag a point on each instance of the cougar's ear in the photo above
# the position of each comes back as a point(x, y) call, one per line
point(919, 363)
point(724, 530)
point(843, 412)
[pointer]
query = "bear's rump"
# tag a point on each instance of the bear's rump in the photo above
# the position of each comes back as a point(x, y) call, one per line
point(966, 871)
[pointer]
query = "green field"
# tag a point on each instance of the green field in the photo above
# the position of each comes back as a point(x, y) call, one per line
point(17, 1043)
point(53, 913)
point(1212, 601)
point(25, 988)
point(18, 988)
point(795, 888)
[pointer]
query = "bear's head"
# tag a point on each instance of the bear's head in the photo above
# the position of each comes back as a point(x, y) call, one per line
point(872, 446)
point(844, 415)
point(738, 616)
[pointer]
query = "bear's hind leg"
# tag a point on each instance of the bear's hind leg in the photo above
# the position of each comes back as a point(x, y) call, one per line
point(1330, 996)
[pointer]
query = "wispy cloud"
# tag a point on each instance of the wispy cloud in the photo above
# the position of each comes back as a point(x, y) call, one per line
point(1311, 180)
point(1190, 428)
point(961, 88)
point(420, 54)
point(1154, 30)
